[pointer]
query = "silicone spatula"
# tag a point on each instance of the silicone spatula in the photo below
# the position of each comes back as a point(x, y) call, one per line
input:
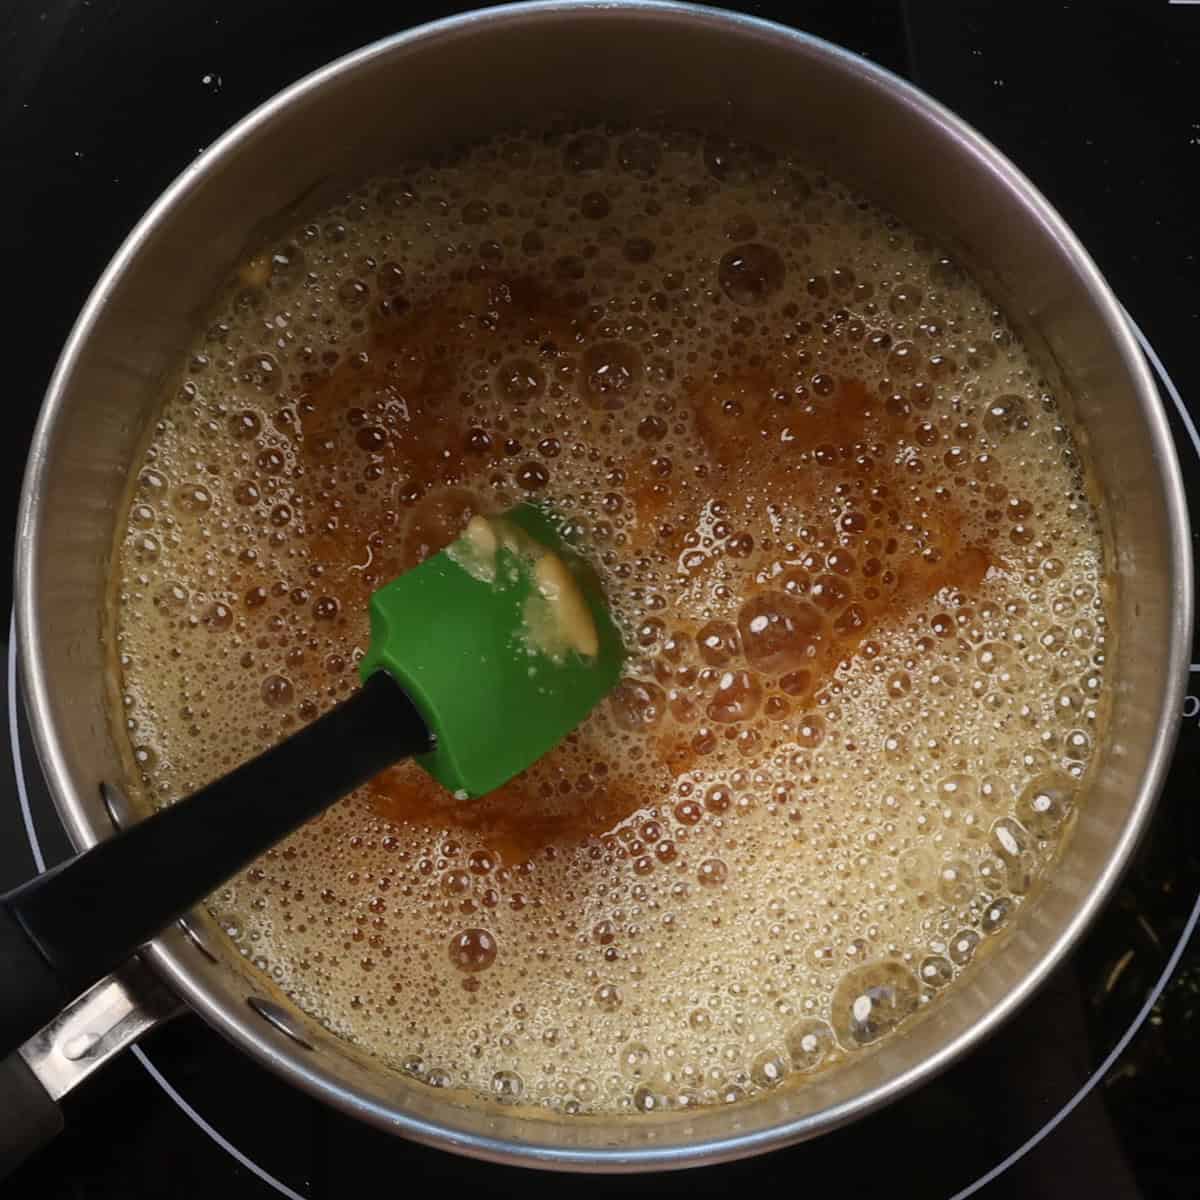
point(481, 659)
point(486, 654)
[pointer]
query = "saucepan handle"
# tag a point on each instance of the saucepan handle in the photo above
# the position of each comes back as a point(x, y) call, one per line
point(32, 992)
point(92, 1029)
point(63, 930)
point(29, 1117)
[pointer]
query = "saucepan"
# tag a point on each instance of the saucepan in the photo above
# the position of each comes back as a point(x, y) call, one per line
point(464, 78)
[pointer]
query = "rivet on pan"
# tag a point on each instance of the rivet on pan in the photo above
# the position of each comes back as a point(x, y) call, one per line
point(194, 936)
point(279, 1017)
point(117, 805)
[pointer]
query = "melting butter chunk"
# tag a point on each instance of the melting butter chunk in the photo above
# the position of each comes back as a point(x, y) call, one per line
point(557, 618)
point(481, 534)
point(569, 614)
point(475, 549)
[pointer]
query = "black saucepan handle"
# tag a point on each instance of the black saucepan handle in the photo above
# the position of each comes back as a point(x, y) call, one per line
point(64, 930)
point(28, 1117)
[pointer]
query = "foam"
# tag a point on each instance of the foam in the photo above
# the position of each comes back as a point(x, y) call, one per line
point(838, 518)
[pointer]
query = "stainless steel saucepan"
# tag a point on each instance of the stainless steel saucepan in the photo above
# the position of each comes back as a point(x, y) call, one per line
point(463, 78)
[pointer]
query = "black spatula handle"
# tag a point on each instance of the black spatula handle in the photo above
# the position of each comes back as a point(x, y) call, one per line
point(62, 931)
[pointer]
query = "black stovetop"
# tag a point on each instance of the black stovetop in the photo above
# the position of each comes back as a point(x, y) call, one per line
point(1093, 1089)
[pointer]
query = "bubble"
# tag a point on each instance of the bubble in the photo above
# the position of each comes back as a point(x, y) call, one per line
point(325, 608)
point(958, 788)
point(994, 656)
point(996, 914)
point(718, 799)
point(218, 617)
point(718, 643)
point(192, 499)
point(637, 704)
point(635, 1060)
point(810, 730)
point(963, 946)
point(869, 1002)
point(481, 862)
point(146, 757)
point(796, 683)
point(607, 997)
point(277, 691)
point(770, 1068)
point(520, 380)
point(1005, 415)
point(809, 1043)
point(712, 872)
point(647, 1100)
point(532, 476)
point(946, 272)
point(906, 299)
point(1009, 838)
point(171, 598)
point(507, 1087)
point(245, 425)
point(1053, 639)
point(778, 632)
point(260, 372)
point(829, 593)
point(152, 484)
point(935, 971)
point(612, 373)
point(1011, 678)
point(902, 360)
point(1078, 744)
point(751, 274)
point(955, 882)
point(652, 429)
point(353, 294)
point(456, 883)
point(473, 950)
point(286, 264)
point(738, 698)
point(1083, 633)
point(1045, 803)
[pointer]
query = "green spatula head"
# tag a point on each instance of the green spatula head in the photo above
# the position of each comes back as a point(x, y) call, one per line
point(502, 641)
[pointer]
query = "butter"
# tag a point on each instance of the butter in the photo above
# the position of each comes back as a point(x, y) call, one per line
point(475, 549)
point(570, 616)
point(556, 618)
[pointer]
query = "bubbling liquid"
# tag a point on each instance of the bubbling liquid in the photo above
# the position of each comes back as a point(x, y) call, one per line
point(838, 518)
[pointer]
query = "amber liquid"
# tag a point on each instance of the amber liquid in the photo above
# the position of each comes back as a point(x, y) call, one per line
point(836, 515)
